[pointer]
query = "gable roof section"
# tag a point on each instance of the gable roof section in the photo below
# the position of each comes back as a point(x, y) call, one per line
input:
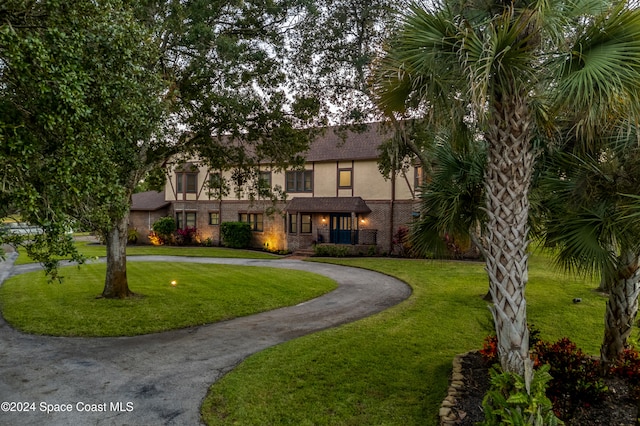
point(148, 201)
point(335, 144)
point(327, 205)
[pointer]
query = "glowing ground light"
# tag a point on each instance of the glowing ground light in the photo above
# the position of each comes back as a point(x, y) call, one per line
point(174, 283)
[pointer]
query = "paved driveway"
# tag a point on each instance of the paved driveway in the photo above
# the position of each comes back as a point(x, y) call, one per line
point(161, 379)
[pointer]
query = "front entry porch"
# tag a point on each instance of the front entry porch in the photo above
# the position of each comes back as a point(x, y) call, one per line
point(328, 220)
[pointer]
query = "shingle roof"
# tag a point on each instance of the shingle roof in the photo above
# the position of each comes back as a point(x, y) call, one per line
point(148, 201)
point(334, 144)
point(327, 205)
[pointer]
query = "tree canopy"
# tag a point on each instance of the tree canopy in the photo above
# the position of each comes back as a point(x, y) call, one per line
point(80, 105)
point(96, 95)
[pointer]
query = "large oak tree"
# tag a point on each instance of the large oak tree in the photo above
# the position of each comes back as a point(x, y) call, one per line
point(96, 94)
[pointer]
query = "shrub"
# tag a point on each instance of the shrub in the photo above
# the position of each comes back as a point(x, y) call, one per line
point(155, 239)
point(508, 401)
point(132, 237)
point(331, 251)
point(628, 366)
point(164, 228)
point(208, 242)
point(489, 349)
point(236, 234)
point(187, 236)
point(576, 376)
point(401, 243)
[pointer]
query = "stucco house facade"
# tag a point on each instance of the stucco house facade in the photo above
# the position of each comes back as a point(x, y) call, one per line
point(339, 197)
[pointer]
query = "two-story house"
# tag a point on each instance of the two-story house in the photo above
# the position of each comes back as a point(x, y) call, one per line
point(339, 197)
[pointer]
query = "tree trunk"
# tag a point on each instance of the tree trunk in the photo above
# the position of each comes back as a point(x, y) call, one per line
point(507, 181)
point(116, 285)
point(621, 309)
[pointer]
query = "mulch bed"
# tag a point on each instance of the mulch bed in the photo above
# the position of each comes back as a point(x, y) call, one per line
point(618, 408)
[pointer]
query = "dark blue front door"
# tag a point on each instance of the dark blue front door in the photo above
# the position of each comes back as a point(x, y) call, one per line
point(341, 227)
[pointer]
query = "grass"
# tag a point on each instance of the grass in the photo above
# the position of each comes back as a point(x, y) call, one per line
point(393, 368)
point(92, 250)
point(204, 294)
point(388, 369)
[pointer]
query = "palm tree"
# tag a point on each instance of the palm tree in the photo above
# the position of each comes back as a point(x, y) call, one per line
point(587, 210)
point(451, 200)
point(507, 70)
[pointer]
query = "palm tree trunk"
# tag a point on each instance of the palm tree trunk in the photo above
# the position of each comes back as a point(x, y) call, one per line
point(621, 310)
point(116, 285)
point(507, 181)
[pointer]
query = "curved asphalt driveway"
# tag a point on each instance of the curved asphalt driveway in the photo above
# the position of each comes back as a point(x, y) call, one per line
point(161, 379)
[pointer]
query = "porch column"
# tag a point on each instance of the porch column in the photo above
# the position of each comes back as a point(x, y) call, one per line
point(354, 227)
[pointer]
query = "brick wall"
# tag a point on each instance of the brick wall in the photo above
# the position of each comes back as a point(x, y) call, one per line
point(142, 222)
point(271, 238)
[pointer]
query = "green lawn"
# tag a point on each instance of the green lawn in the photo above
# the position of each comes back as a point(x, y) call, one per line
point(388, 369)
point(393, 368)
point(92, 250)
point(203, 294)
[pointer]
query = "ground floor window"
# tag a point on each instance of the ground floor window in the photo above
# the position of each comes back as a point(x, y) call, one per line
point(255, 220)
point(305, 223)
point(185, 220)
point(214, 218)
point(293, 223)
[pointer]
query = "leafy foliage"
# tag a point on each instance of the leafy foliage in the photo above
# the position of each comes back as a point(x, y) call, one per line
point(586, 204)
point(509, 402)
point(132, 236)
point(164, 228)
point(509, 74)
point(80, 102)
point(236, 234)
point(401, 242)
point(187, 236)
point(332, 50)
point(451, 202)
point(331, 250)
point(577, 376)
point(628, 366)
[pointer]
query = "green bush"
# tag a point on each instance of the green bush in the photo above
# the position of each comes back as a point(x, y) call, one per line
point(508, 401)
point(577, 377)
point(132, 237)
point(235, 234)
point(628, 366)
point(577, 380)
point(164, 228)
point(331, 251)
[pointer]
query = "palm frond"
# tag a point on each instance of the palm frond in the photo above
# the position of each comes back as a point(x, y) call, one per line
point(452, 201)
point(599, 72)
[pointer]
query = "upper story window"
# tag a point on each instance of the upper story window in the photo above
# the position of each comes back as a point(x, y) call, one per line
point(299, 181)
point(215, 180)
point(264, 180)
point(264, 184)
point(186, 183)
point(345, 178)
